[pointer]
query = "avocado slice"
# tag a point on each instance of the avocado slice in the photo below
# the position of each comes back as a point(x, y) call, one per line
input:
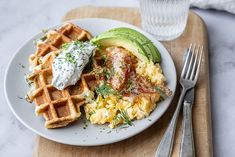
point(111, 39)
point(150, 48)
point(147, 49)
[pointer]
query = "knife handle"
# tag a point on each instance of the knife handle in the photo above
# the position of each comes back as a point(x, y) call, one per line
point(187, 143)
point(165, 147)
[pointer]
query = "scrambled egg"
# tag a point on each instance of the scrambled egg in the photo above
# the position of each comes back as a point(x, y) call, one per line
point(113, 106)
point(152, 71)
point(114, 110)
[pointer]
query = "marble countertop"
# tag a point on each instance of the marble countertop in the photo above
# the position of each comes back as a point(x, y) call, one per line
point(21, 21)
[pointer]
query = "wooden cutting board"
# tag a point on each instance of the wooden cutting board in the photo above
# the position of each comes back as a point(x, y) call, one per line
point(145, 143)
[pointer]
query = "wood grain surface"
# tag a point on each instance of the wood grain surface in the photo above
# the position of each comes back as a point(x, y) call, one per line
point(145, 143)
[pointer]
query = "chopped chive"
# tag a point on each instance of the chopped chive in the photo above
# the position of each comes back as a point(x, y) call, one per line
point(104, 90)
point(126, 117)
point(104, 60)
point(20, 97)
point(65, 46)
point(43, 38)
point(161, 92)
point(21, 65)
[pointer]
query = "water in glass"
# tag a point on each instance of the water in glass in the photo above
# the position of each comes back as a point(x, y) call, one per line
point(165, 19)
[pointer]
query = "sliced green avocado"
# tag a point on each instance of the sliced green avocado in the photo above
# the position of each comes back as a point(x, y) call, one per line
point(110, 39)
point(140, 41)
point(150, 48)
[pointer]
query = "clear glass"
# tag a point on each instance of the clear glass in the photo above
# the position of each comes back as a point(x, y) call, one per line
point(165, 19)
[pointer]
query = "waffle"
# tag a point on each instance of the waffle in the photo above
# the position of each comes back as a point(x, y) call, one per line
point(58, 107)
point(53, 40)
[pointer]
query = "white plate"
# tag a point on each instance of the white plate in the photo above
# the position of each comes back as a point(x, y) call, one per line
point(75, 134)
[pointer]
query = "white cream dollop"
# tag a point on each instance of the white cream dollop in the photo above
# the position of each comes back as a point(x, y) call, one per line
point(67, 67)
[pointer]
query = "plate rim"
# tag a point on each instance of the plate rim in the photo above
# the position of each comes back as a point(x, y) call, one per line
point(83, 144)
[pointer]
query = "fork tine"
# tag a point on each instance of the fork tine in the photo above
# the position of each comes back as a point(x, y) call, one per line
point(198, 66)
point(186, 61)
point(194, 64)
point(190, 63)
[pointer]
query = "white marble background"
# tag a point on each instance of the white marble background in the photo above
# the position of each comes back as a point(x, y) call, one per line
point(20, 19)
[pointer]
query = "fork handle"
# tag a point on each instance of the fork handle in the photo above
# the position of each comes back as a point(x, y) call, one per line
point(187, 143)
point(165, 146)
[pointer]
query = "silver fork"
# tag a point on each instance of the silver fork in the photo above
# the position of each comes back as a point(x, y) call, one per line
point(188, 79)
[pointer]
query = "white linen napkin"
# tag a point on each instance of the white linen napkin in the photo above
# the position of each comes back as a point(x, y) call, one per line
point(226, 5)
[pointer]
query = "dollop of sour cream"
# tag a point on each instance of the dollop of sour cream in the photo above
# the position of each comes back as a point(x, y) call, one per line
point(67, 67)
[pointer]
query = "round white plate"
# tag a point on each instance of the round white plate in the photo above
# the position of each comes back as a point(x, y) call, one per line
point(80, 133)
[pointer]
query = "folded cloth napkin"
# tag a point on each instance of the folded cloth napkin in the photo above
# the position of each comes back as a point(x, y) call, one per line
point(226, 5)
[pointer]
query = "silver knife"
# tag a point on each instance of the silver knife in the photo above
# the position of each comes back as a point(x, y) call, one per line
point(187, 143)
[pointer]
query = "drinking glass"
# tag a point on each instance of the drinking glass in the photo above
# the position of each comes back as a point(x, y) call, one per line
point(165, 19)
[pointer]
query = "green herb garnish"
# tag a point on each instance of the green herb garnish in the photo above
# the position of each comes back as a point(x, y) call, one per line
point(20, 97)
point(117, 119)
point(129, 85)
point(77, 43)
point(126, 117)
point(91, 113)
point(124, 126)
point(85, 125)
point(65, 46)
point(107, 73)
point(161, 92)
point(21, 65)
point(70, 58)
point(43, 38)
point(98, 46)
point(104, 60)
point(104, 90)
